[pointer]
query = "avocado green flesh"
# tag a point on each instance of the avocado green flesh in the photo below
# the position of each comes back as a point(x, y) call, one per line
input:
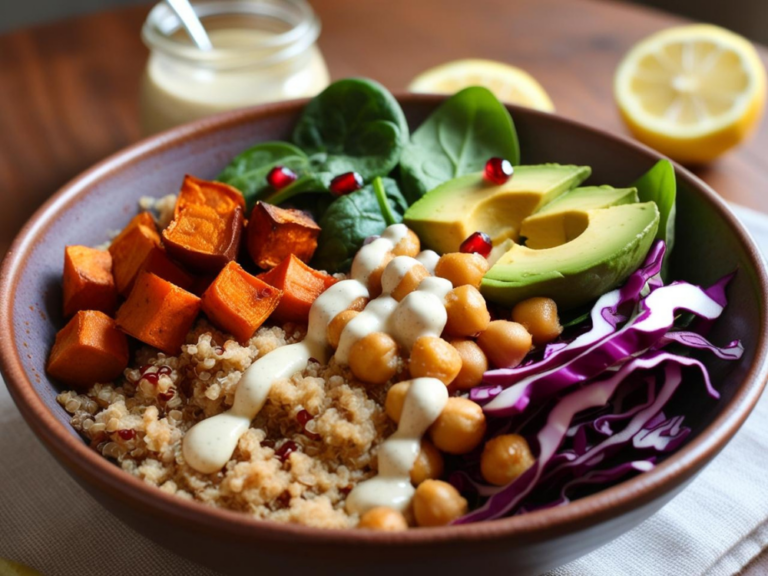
point(611, 247)
point(448, 214)
point(565, 218)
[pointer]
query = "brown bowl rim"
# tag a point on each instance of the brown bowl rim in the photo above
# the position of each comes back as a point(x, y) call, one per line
point(535, 526)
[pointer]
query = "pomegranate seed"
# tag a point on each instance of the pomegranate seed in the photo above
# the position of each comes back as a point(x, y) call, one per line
point(477, 243)
point(305, 418)
point(346, 183)
point(164, 371)
point(145, 368)
point(126, 434)
point(219, 350)
point(165, 396)
point(280, 177)
point(498, 170)
point(152, 378)
point(285, 450)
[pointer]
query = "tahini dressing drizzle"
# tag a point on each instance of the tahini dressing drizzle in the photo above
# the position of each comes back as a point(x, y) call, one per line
point(209, 445)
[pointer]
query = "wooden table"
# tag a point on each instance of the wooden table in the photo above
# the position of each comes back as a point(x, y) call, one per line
point(68, 90)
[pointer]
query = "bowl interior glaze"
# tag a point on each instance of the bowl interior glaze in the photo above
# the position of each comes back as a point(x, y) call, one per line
point(710, 243)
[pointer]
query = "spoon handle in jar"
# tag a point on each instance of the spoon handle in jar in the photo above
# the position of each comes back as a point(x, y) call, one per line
point(191, 23)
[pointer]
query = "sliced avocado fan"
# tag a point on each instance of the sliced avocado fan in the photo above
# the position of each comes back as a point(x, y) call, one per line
point(611, 246)
point(448, 214)
point(565, 218)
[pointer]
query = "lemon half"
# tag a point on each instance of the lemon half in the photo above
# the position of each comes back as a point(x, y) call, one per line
point(508, 83)
point(691, 92)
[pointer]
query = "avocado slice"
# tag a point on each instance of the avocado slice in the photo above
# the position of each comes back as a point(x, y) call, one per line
point(611, 247)
point(565, 217)
point(448, 214)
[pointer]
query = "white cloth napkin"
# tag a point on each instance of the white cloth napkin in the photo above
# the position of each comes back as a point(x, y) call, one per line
point(715, 527)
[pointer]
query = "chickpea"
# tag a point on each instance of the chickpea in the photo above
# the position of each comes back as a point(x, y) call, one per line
point(434, 358)
point(473, 364)
point(373, 358)
point(429, 464)
point(505, 343)
point(410, 282)
point(408, 246)
point(383, 519)
point(539, 317)
point(467, 312)
point(374, 280)
point(462, 269)
point(459, 428)
point(358, 304)
point(393, 405)
point(505, 458)
point(437, 503)
point(337, 325)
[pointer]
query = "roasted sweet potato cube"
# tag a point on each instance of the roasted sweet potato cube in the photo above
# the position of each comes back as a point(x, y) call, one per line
point(274, 233)
point(202, 239)
point(239, 303)
point(300, 284)
point(141, 219)
point(88, 282)
point(89, 349)
point(158, 313)
point(221, 197)
point(131, 248)
point(158, 263)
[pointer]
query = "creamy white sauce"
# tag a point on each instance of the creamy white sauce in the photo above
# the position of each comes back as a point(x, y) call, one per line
point(421, 313)
point(209, 445)
point(374, 318)
point(392, 487)
point(395, 272)
point(174, 92)
point(428, 259)
point(370, 257)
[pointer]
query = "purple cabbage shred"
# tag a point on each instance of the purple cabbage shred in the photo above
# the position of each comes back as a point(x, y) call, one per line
point(603, 405)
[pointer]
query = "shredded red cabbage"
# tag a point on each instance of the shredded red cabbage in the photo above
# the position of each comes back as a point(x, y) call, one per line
point(605, 317)
point(604, 347)
point(596, 409)
point(551, 436)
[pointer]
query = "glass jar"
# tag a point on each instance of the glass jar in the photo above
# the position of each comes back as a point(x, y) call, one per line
point(263, 51)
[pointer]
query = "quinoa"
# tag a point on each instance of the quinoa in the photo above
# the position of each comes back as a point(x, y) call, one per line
point(334, 422)
point(161, 207)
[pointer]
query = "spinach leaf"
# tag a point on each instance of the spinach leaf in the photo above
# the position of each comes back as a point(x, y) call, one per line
point(312, 183)
point(315, 204)
point(350, 220)
point(658, 185)
point(353, 125)
point(458, 138)
point(248, 170)
point(381, 197)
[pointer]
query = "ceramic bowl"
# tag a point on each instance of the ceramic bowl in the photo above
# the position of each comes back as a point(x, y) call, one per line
point(710, 243)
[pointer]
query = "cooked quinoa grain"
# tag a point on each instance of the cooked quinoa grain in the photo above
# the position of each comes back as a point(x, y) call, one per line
point(335, 422)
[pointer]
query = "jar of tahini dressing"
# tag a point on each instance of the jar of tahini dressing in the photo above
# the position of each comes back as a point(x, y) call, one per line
point(263, 51)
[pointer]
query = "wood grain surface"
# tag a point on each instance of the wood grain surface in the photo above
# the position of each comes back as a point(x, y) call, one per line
point(68, 90)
